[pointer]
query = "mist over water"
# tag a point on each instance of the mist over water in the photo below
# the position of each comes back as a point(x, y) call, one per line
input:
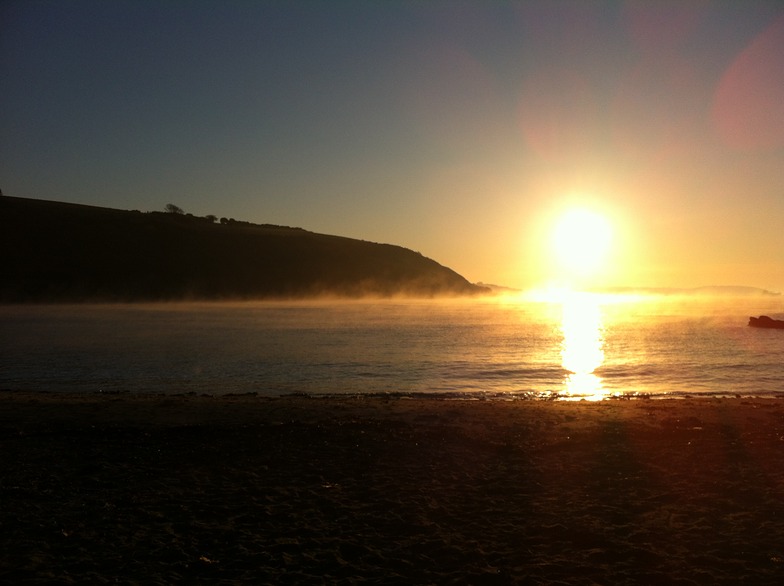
point(583, 346)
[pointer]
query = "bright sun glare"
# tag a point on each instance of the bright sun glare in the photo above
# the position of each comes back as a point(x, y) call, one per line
point(581, 242)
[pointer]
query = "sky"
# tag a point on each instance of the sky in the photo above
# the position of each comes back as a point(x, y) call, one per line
point(458, 129)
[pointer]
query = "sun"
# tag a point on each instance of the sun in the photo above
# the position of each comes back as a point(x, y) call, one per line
point(581, 240)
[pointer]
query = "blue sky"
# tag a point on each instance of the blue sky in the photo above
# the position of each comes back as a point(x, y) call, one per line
point(459, 129)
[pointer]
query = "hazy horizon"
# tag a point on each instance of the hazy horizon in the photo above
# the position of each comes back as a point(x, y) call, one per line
point(461, 130)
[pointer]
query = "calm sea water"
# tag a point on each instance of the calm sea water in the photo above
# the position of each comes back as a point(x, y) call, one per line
point(581, 347)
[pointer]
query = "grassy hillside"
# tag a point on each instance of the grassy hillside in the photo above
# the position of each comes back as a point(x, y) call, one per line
point(55, 251)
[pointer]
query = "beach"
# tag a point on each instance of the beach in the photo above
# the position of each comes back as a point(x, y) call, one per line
point(150, 489)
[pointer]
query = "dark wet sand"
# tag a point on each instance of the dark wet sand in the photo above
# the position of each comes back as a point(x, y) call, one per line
point(146, 490)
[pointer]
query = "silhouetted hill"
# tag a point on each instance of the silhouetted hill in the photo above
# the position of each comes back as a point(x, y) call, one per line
point(54, 251)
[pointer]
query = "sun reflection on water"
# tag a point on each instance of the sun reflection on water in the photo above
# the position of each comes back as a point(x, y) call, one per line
point(582, 349)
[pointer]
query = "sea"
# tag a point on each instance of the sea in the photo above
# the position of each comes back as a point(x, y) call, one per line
point(571, 346)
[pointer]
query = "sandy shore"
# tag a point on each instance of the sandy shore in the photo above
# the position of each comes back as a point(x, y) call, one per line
point(128, 489)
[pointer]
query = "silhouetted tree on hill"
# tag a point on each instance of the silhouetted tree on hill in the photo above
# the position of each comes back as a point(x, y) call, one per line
point(173, 209)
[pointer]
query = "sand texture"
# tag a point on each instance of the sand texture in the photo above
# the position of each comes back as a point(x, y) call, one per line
point(184, 490)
